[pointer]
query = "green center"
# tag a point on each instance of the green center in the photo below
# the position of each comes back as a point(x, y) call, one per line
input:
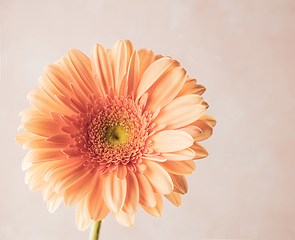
point(116, 135)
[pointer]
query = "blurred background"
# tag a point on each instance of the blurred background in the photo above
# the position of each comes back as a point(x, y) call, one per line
point(242, 51)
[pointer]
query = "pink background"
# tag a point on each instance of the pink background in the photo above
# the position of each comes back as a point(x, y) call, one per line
point(242, 51)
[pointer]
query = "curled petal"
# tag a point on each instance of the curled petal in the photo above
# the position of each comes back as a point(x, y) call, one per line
point(209, 119)
point(180, 183)
point(194, 131)
point(200, 151)
point(206, 128)
point(174, 198)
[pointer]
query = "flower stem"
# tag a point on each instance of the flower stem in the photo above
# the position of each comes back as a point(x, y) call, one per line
point(95, 230)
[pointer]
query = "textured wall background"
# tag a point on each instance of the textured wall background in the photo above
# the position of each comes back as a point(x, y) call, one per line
point(242, 51)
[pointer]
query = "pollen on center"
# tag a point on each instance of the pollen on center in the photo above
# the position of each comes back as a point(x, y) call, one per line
point(116, 134)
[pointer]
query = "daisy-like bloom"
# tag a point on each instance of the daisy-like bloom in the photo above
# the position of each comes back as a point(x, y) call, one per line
point(113, 132)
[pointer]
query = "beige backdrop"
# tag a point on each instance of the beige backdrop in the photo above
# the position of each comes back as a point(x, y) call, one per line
point(241, 50)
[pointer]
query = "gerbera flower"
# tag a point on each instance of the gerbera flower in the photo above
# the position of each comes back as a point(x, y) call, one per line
point(113, 132)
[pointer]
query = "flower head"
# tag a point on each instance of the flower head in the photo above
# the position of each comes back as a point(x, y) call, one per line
point(113, 132)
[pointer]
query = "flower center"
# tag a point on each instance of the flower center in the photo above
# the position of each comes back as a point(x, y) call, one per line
point(112, 132)
point(116, 134)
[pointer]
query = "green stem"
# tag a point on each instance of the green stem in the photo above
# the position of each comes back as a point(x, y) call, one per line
point(95, 230)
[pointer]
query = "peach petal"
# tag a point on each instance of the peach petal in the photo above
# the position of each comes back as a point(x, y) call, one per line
point(118, 60)
point(66, 102)
point(36, 142)
point(132, 193)
point(71, 153)
point(152, 74)
point(166, 88)
point(171, 141)
point(41, 155)
point(61, 138)
point(154, 158)
point(185, 154)
point(157, 210)
point(207, 130)
point(205, 104)
point(114, 191)
point(25, 164)
point(200, 151)
point(48, 87)
point(58, 78)
point(130, 50)
point(36, 182)
point(70, 178)
point(22, 137)
point(174, 198)
point(53, 205)
point(32, 113)
point(122, 171)
point(158, 178)
point(209, 119)
point(62, 167)
point(146, 195)
point(82, 64)
point(83, 220)
point(72, 74)
point(158, 56)
point(146, 57)
point(77, 191)
point(133, 73)
point(48, 194)
point(124, 218)
point(34, 171)
point(190, 99)
point(101, 66)
point(39, 99)
point(179, 167)
point(194, 131)
point(96, 205)
point(123, 87)
point(181, 115)
point(43, 127)
point(80, 96)
point(180, 183)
